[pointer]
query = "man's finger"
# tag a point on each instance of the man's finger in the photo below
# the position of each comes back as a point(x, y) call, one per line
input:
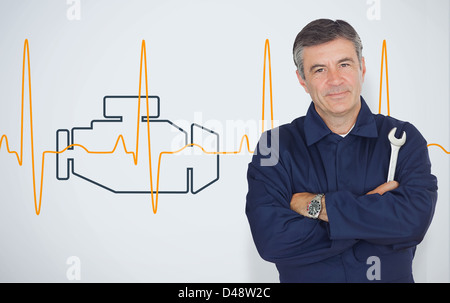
point(385, 187)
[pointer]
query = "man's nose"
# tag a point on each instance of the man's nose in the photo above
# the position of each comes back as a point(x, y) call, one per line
point(334, 78)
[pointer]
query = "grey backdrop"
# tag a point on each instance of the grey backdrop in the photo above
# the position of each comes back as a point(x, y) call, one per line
point(205, 62)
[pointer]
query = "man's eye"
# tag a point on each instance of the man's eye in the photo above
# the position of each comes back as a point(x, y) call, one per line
point(320, 70)
point(345, 64)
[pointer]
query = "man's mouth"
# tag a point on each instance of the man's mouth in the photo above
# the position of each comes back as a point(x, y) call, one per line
point(337, 94)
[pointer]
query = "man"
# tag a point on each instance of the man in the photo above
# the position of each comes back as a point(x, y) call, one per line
point(323, 211)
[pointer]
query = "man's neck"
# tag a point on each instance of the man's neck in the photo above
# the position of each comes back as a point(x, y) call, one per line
point(341, 127)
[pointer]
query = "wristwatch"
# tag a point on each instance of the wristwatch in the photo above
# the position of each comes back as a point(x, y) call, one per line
point(315, 206)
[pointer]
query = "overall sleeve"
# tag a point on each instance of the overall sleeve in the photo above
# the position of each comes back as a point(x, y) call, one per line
point(280, 234)
point(400, 217)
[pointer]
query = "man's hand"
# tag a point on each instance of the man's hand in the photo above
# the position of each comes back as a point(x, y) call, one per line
point(383, 188)
point(300, 201)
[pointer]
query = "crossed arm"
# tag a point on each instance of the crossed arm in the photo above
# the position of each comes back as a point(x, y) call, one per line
point(300, 201)
point(283, 236)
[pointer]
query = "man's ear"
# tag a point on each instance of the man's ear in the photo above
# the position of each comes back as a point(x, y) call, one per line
point(363, 68)
point(302, 81)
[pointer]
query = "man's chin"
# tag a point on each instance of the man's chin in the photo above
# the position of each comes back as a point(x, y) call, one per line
point(340, 109)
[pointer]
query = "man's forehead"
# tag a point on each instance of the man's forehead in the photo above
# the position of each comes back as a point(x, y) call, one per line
point(334, 50)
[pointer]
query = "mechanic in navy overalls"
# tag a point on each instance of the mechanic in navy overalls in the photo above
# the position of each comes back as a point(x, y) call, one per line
point(323, 211)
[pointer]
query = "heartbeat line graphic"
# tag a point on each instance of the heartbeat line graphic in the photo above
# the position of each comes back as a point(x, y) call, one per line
point(37, 194)
point(383, 60)
point(120, 141)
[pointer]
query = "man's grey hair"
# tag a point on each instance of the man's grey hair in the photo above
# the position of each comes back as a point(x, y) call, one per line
point(322, 31)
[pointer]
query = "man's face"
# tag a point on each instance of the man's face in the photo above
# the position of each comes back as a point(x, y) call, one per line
point(333, 78)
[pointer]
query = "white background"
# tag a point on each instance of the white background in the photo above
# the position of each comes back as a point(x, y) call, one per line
point(205, 59)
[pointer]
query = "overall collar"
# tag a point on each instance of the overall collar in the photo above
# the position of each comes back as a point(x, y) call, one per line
point(316, 129)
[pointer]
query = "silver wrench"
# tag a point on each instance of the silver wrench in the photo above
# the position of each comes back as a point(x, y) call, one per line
point(395, 146)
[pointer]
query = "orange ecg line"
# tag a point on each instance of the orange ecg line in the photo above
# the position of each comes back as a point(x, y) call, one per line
point(120, 138)
point(143, 61)
point(266, 52)
point(384, 59)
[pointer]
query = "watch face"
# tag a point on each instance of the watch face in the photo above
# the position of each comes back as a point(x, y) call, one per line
point(314, 208)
